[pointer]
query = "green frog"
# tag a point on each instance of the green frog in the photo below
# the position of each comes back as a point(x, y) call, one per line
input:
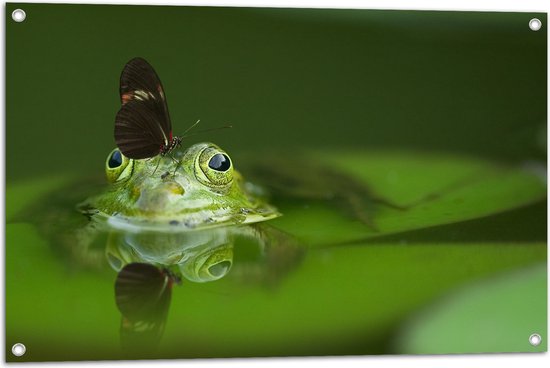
point(196, 188)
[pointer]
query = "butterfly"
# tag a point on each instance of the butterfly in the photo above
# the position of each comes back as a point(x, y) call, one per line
point(142, 125)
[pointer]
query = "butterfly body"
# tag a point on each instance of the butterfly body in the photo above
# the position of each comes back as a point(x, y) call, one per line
point(173, 143)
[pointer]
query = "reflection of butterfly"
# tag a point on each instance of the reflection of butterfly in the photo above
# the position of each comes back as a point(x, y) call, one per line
point(143, 293)
point(142, 125)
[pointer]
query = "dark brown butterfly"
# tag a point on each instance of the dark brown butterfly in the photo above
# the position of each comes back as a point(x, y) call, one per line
point(142, 125)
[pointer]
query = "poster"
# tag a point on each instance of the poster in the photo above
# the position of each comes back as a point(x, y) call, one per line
point(360, 181)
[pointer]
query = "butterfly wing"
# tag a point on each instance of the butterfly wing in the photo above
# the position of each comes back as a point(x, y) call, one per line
point(138, 133)
point(142, 293)
point(143, 124)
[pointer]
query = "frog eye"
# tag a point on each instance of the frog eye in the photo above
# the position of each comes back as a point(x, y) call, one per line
point(115, 160)
point(208, 264)
point(218, 270)
point(219, 162)
point(118, 167)
point(214, 168)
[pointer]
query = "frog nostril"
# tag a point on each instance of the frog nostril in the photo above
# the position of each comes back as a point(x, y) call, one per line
point(176, 188)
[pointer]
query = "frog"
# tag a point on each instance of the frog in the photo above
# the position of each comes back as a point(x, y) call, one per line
point(195, 188)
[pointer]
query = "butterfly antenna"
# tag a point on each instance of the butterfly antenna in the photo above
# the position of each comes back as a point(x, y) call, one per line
point(191, 127)
point(206, 130)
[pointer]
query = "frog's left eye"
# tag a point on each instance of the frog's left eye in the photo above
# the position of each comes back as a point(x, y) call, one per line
point(118, 167)
point(214, 168)
point(115, 160)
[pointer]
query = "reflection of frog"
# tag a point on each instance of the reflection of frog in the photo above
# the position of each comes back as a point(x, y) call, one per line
point(149, 263)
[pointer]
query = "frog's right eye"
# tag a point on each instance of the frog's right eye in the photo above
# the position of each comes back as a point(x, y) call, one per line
point(118, 167)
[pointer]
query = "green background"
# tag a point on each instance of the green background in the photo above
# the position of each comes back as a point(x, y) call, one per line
point(284, 78)
point(407, 102)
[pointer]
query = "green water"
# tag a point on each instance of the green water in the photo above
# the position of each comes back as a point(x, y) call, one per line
point(408, 104)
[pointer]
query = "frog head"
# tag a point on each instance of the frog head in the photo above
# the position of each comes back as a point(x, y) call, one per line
point(186, 189)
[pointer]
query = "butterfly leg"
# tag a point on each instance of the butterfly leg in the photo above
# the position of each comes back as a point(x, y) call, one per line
point(156, 167)
point(178, 163)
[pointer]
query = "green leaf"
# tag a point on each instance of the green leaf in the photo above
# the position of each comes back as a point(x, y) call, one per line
point(497, 315)
point(441, 189)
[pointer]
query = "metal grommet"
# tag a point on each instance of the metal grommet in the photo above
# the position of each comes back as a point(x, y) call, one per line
point(18, 15)
point(535, 339)
point(18, 349)
point(535, 24)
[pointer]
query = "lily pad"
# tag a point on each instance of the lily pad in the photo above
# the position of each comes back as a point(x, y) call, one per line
point(435, 189)
point(497, 315)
